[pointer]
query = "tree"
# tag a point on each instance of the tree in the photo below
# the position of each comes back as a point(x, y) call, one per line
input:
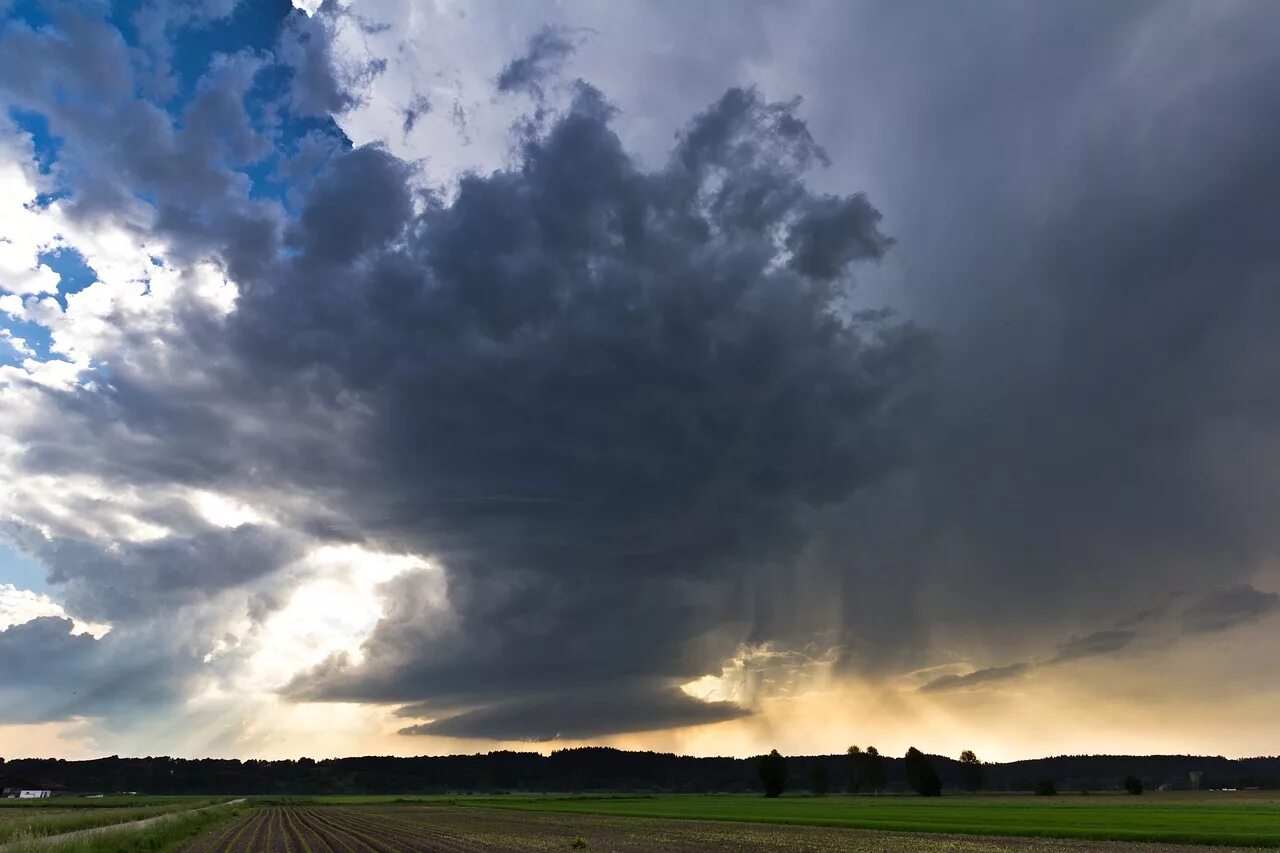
point(873, 771)
point(856, 770)
point(1133, 785)
point(971, 771)
point(1045, 788)
point(818, 780)
point(773, 773)
point(921, 776)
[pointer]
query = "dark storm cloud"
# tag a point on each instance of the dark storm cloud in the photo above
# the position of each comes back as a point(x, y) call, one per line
point(1092, 645)
point(595, 394)
point(613, 403)
point(135, 579)
point(334, 228)
point(578, 714)
point(548, 48)
point(834, 232)
point(977, 677)
point(1216, 611)
point(47, 673)
point(1226, 608)
point(1089, 223)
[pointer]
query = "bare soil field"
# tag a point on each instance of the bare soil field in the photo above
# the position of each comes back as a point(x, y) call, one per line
point(451, 829)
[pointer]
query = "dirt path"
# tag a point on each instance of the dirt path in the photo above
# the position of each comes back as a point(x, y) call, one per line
point(130, 826)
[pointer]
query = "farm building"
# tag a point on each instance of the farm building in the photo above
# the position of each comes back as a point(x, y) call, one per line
point(27, 788)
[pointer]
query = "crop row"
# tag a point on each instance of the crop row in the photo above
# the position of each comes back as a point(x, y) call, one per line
point(299, 829)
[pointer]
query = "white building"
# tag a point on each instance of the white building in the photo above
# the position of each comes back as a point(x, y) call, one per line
point(27, 788)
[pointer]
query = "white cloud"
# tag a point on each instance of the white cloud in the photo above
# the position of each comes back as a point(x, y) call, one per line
point(658, 69)
point(225, 511)
point(333, 610)
point(18, 606)
point(25, 232)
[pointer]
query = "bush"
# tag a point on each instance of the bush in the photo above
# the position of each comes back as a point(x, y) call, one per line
point(1045, 788)
point(1133, 785)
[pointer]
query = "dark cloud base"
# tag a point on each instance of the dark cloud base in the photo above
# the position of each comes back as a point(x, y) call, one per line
point(578, 715)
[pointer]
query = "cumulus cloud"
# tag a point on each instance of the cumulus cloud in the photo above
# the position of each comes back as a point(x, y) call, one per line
point(18, 606)
point(320, 83)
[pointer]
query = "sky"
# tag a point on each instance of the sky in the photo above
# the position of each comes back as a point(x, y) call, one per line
point(421, 378)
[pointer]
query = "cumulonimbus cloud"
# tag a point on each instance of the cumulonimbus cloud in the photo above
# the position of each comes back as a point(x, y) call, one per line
point(595, 394)
point(627, 408)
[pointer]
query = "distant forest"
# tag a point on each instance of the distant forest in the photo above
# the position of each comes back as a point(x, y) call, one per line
point(603, 769)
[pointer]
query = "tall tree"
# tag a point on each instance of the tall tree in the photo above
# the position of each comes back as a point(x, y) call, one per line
point(856, 763)
point(773, 773)
point(873, 771)
point(971, 771)
point(921, 776)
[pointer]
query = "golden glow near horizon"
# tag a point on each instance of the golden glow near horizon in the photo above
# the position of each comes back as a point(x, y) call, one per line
point(1092, 706)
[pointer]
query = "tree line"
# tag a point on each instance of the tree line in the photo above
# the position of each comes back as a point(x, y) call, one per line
point(863, 771)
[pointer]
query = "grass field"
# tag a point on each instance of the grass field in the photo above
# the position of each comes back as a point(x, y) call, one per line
point(1210, 818)
point(112, 802)
point(162, 834)
point(26, 822)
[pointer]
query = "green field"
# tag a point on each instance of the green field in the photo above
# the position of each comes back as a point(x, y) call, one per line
point(111, 802)
point(165, 833)
point(59, 815)
point(1249, 819)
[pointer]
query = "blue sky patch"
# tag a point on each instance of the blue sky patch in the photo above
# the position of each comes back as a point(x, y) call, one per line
point(45, 143)
point(70, 265)
point(21, 571)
